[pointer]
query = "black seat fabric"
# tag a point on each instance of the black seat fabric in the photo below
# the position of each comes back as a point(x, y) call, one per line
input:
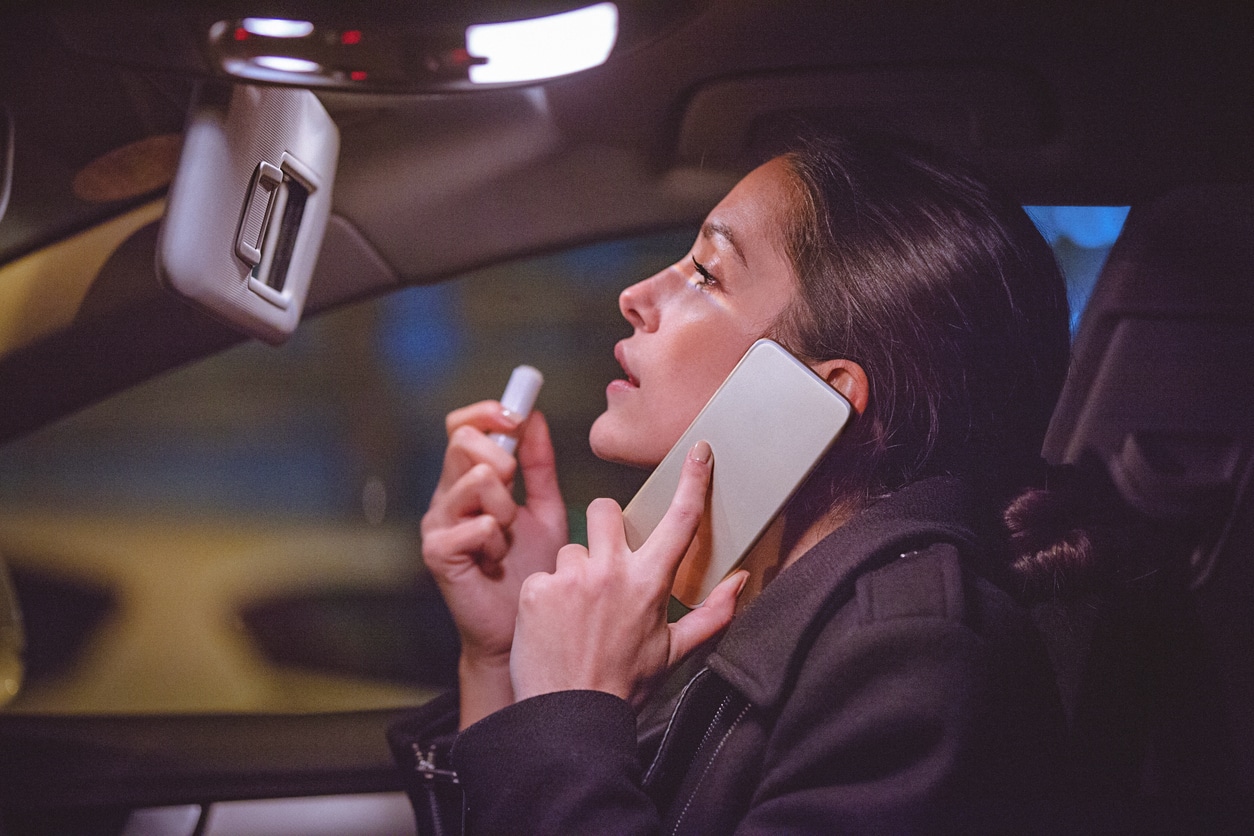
point(1161, 401)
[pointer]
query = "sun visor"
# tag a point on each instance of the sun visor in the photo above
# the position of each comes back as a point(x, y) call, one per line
point(249, 205)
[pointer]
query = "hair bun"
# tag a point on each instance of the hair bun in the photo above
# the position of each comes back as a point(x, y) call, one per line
point(1051, 534)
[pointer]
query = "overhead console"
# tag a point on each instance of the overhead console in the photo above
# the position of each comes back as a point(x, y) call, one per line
point(740, 121)
point(393, 46)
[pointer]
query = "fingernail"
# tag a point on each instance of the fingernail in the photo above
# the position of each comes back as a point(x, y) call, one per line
point(701, 452)
point(510, 416)
point(744, 579)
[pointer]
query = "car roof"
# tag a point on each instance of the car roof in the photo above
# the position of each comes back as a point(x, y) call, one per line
point(1062, 102)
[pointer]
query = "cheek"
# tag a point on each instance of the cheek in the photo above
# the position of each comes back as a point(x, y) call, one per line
point(640, 431)
point(703, 371)
point(714, 353)
point(675, 415)
point(683, 376)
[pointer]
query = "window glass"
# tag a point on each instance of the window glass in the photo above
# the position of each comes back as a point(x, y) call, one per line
point(242, 534)
point(1081, 237)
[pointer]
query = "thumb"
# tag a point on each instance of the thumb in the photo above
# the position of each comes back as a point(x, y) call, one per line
point(539, 465)
point(707, 620)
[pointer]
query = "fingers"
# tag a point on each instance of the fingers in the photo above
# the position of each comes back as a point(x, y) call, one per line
point(679, 525)
point(467, 447)
point(472, 508)
point(469, 444)
point(469, 520)
point(668, 543)
point(479, 490)
point(569, 557)
point(539, 467)
point(481, 537)
point(707, 620)
point(485, 416)
point(605, 527)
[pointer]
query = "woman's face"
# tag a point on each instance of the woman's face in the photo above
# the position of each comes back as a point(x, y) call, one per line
point(694, 320)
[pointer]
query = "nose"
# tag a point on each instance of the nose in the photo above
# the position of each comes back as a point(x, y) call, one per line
point(638, 303)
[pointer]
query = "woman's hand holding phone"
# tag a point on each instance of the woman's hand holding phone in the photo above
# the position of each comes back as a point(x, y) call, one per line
point(599, 621)
point(480, 545)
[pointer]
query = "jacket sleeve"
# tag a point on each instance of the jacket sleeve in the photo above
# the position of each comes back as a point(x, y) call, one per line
point(564, 762)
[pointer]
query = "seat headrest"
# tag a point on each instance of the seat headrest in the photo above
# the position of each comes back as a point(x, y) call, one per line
point(1161, 387)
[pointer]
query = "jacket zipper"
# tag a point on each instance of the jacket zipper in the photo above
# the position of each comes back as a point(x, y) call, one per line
point(715, 722)
point(424, 765)
point(709, 762)
point(670, 724)
point(718, 715)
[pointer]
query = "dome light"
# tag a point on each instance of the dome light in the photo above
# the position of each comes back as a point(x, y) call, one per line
point(274, 27)
point(543, 47)
point(287, 64)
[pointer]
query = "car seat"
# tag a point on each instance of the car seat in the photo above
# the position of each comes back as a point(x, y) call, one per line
point(1159, 685)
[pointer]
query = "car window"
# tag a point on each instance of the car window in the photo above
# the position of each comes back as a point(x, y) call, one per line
point(1081, 237)
point(241, 535)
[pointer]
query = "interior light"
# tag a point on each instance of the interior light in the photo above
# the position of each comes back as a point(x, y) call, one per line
point(287, 64)
point(274, 27)
point(544, 47)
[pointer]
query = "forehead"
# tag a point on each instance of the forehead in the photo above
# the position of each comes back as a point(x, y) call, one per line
point(751, 219)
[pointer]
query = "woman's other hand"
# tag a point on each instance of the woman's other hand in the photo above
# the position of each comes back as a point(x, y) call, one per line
point(599, 621)
point(480, 545)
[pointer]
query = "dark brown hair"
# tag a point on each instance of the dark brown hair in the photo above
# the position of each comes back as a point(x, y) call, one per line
point(942, 289)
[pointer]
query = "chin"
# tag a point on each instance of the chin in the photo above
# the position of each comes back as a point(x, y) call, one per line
point(612, 445)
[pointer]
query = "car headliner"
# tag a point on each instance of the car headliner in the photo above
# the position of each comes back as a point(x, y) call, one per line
point(1064, 102)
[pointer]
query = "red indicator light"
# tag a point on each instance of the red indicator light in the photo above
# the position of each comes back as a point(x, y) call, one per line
point(352, 36)
point(357, 75)
point(461, 59)
point(241, 34)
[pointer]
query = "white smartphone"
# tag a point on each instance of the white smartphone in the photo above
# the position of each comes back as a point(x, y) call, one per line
point(768, 425)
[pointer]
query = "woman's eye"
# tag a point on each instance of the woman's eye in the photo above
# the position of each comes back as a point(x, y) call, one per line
point(704, 277)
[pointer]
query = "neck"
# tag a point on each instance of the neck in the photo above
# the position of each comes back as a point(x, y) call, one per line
point(783, 543)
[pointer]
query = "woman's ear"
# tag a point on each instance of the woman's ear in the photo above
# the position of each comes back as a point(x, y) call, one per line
point(849, 379)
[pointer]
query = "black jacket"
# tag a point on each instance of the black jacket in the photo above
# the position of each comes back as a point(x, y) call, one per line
point(877, 685)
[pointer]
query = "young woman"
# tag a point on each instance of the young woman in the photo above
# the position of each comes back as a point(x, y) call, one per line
point(865, 672)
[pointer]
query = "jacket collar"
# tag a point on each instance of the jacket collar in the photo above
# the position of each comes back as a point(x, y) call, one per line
point(759, 652)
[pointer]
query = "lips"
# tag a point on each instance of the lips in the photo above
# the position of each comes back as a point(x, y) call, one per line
point(620, 356)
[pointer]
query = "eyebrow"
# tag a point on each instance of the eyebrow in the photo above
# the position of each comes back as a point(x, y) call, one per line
point(711, 229)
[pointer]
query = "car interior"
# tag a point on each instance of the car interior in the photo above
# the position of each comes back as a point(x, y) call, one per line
point(1161, 700)
point(192, 192)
